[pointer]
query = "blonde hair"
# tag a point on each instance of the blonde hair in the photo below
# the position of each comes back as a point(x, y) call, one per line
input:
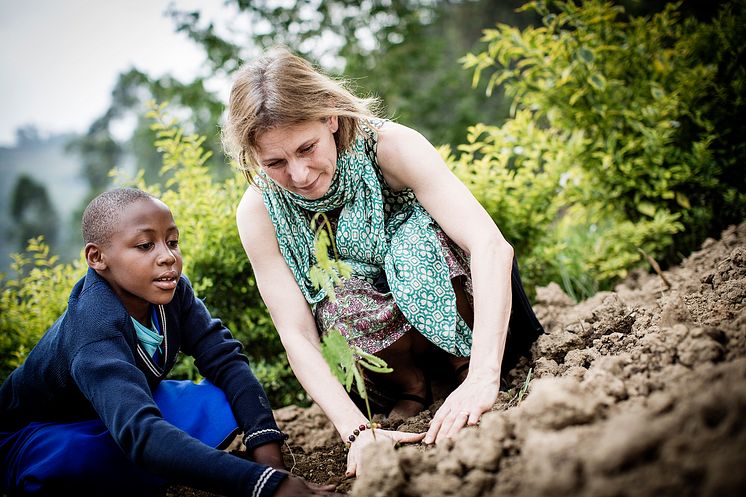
point(281, 89)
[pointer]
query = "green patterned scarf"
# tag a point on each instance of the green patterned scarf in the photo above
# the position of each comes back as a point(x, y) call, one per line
point(404, 245)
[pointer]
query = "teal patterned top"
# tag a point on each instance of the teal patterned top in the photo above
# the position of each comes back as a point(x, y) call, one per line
point(378, 230)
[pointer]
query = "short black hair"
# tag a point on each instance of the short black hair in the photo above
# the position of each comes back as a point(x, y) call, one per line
point(101, 216)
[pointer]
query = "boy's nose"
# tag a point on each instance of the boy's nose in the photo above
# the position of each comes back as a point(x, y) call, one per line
point(166, 256)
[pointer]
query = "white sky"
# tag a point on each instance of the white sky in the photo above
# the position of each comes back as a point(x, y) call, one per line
point(59, 59)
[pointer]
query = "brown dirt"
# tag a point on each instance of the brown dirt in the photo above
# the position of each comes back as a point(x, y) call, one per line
point(640, 391)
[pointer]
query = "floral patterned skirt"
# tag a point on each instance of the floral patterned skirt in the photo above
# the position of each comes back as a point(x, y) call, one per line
point(369, 318)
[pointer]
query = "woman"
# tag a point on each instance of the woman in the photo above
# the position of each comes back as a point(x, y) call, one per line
point(430, 267)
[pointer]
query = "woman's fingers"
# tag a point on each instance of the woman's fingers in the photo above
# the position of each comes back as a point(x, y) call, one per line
point(406, 437)
point(473, 418)
point(462, 408)
point(351, 463)
point(452, 424)
point(435, 425)
point(459, 421)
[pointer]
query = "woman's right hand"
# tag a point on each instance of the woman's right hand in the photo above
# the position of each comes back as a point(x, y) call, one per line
point(355, 454)
point(294, 486)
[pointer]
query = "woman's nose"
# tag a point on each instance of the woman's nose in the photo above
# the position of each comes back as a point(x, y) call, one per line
point(298, 170)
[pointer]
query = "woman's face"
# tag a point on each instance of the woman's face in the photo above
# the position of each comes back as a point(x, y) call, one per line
point(300, 158)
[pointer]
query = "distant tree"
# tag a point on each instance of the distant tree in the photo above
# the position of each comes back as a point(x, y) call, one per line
point(99, 151)
point(404, 51)
point(27, 136)
point(33, 213)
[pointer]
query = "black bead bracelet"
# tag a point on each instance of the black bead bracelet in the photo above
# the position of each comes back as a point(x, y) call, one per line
point(352, 437)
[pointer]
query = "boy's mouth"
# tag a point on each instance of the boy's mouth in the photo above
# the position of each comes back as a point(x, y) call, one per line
point(167, 281)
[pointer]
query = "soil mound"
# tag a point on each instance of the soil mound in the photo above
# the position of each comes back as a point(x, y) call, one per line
point(640, 391)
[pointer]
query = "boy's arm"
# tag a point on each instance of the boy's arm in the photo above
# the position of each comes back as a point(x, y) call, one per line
point(218, 357)
point(107, 376)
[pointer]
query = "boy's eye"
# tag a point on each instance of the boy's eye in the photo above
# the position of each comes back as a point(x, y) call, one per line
point(173, 243)
point(145, 246)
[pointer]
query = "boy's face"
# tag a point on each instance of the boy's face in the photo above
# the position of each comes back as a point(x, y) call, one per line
point(142, 262)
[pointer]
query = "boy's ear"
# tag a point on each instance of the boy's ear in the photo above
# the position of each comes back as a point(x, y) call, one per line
point(94, 257)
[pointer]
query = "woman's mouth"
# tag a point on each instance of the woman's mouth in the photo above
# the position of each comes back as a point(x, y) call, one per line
point(307, 190)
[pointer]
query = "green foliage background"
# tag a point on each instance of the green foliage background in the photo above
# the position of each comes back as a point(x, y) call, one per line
point(624, 138)
point(624, 135)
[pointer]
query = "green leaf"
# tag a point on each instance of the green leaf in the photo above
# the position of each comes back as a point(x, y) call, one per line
point(585, 55)
point(646, 208)
point(683, 200)
point(657, 92)
point(338, 355)
point(598, 81)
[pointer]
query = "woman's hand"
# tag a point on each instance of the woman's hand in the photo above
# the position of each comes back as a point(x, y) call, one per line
point(475, 396)
point(294, 486)
point(355, 454)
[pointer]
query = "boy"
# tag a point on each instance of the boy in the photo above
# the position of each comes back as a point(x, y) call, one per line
point(79, 416)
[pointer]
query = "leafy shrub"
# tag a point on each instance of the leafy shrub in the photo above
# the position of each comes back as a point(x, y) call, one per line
point(31, 300)
point(610, 149)
point(204, 210)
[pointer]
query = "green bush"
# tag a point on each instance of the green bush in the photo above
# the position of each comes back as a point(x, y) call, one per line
point(611, 149)
point(214, 260)
point(31, 300)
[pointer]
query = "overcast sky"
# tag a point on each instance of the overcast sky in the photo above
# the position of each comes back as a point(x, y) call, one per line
point(59, 59)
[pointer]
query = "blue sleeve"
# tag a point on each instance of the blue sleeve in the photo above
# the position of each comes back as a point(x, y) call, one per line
point(107, 376)
point(218, 357)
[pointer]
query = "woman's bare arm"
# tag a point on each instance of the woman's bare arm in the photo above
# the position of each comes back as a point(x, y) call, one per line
point(294, 322)
point(408, 160)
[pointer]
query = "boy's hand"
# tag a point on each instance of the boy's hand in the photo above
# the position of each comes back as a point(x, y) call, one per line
point(269, 454)
point(294, 486)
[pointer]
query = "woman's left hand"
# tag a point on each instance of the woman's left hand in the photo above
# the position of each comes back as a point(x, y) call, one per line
point(475, 396)
point(355, 454)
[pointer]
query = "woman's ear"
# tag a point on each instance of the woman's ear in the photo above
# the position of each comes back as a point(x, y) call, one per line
point(94, 257)
point(333, 123)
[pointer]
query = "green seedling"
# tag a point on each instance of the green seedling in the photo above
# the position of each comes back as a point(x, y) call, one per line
point(345, 361)
point(524, 389)
point(328, 272)
point(518, 397)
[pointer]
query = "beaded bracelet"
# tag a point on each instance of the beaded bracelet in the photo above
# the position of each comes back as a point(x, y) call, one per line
point(357, 431)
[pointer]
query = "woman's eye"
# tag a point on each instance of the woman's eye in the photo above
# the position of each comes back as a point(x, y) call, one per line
point(308, 149)
point(273, 165)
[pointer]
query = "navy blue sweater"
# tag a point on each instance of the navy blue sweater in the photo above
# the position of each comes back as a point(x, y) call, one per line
point(90, 363)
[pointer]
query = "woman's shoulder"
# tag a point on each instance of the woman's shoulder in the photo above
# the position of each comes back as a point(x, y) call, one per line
point(394, 139)
point(251, 203)
point(252, 218)
point(397, 146)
